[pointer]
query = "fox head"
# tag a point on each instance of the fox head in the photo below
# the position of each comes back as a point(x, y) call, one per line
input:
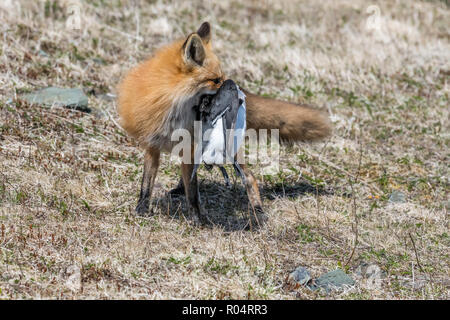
point(186, 67)
point(158, 95)
point(199, 61)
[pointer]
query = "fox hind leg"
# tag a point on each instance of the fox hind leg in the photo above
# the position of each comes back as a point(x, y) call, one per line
point(151, 164)
point(257, 215)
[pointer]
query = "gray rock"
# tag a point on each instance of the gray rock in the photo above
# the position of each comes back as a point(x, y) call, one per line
point(300, 275)
point(68, 98)
point(397, 197)
point(333, 280)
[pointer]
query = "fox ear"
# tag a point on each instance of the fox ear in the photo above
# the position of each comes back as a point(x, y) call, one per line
point(205, 32)
point(193, 50)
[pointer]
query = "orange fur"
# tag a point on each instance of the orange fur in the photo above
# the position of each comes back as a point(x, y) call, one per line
point(152, 89)
point(295, 122)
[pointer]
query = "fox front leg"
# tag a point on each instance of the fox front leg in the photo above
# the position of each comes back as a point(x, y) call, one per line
point(192, 193)
point(151, 164)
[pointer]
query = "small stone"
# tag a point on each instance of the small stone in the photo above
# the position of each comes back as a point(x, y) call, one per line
point(300, 275)
point(397, 197)
point(336, 279)
point(68, 98)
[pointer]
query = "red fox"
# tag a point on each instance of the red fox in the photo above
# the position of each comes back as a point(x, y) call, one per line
point(158, 96)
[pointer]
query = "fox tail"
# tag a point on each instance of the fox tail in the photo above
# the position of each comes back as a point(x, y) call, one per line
point(294, 122)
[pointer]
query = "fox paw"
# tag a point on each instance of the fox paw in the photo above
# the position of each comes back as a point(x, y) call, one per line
point(142, 208)
point(197, 218)
point(257, 219)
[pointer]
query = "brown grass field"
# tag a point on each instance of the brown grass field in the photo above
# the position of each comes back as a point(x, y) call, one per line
point(69, 181)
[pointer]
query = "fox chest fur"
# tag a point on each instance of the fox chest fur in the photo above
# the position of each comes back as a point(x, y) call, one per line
point(180, 115)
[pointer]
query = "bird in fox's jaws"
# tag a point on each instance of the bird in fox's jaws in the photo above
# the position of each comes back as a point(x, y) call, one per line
point(223, 124)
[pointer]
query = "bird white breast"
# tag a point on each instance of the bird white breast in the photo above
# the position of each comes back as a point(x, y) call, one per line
point(213, 153)
point(214, 150)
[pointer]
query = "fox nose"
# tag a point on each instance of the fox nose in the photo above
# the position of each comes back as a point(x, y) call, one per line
point(228, 83)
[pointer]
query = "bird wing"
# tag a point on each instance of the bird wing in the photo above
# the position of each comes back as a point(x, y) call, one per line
point(239, 124)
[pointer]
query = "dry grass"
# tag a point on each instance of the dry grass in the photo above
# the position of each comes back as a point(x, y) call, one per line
point(69, 180)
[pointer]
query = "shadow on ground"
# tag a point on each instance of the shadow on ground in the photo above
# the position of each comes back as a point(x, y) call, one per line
point(229, 208)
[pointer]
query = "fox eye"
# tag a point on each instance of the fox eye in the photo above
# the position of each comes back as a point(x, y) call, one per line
point(216, 80)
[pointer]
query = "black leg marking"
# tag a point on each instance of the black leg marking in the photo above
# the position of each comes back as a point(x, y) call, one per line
point(151, 163)
point(144, 196)
point(225, 176)
point(239, 172)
